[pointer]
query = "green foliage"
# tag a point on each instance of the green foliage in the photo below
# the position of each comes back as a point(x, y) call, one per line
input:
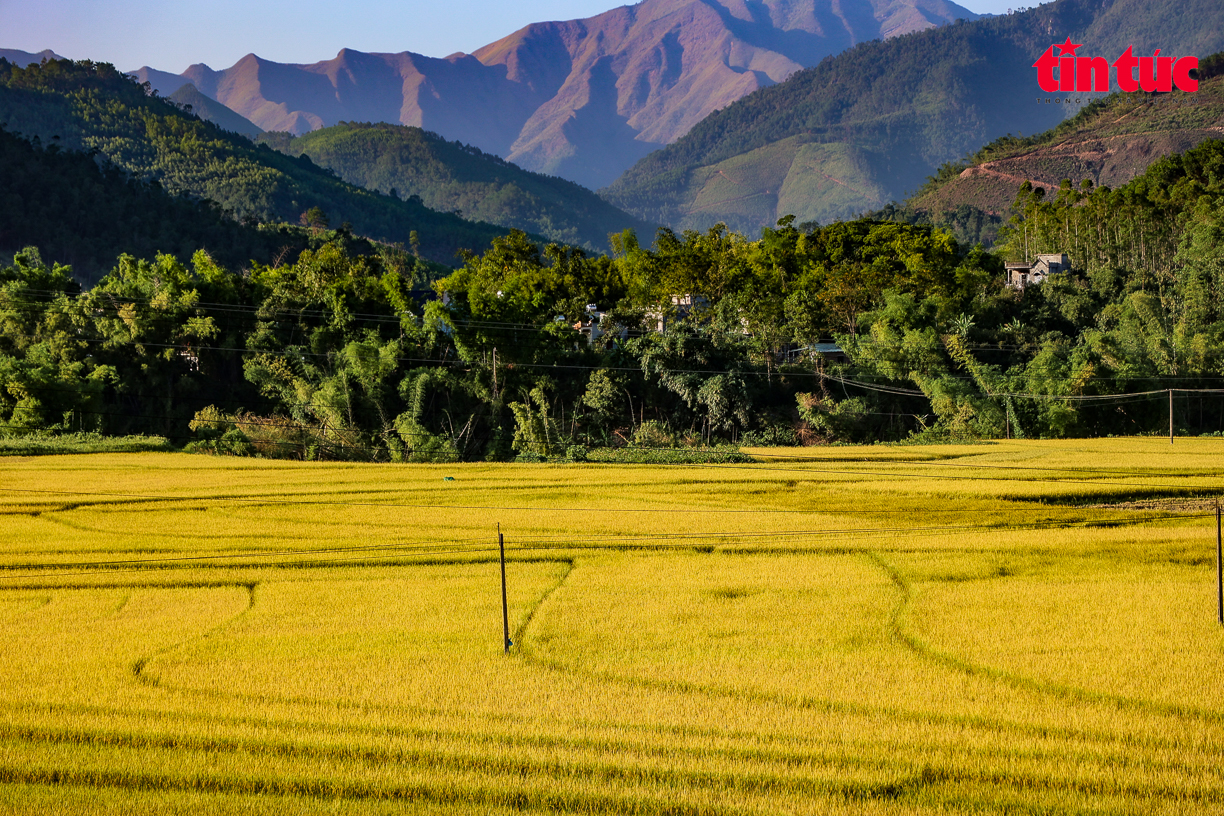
point(408, 163)
point(522, 300)
point(835, 421)
point(653, 434)
point(773, 435)
point(669, 456)
point(536, 432)
point(41, 444)
point(1212, 66)
point(968, 224)
point(93, 107)
point(218, 434)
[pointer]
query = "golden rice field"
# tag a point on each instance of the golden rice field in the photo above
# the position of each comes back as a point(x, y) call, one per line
point(998, 628)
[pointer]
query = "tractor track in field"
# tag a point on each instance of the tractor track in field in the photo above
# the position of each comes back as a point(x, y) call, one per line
point(140, 665)
point(1069, 693)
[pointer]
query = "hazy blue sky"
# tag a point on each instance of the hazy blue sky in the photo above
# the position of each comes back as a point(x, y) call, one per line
point(172, 34)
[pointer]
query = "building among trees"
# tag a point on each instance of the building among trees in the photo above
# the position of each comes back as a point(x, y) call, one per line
point(1020, 275)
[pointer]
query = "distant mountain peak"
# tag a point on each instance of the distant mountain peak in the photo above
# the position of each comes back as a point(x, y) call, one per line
point(23, 58)
point(213, 111)
point(582, 99)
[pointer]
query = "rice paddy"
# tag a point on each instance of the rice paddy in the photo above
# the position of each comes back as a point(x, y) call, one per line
point(1014, 627)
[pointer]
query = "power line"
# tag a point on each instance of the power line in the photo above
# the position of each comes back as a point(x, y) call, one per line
point(889, 389)
point(210, 306)
point(896, 390)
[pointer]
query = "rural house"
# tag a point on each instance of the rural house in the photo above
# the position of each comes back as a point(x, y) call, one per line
point(1020, 275)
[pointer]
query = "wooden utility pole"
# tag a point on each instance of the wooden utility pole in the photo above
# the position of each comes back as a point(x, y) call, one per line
point(494, 373)
point(501, 545)
point(1219, 569)
point(1170, 416)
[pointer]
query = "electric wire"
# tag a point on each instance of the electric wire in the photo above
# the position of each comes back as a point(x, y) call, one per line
point(360, 317)
point(900, 391)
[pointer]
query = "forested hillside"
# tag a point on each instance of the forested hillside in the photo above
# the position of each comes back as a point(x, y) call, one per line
point(868, 126)
point(453, 177)
point(333, 357)
point(92, 107)
point(87, 216)
point(1110, 142)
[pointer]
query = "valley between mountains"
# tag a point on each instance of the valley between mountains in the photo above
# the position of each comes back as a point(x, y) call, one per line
point(581, 99)
point(689, 113)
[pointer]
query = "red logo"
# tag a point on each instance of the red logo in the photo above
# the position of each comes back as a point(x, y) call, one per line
point(1080, 74)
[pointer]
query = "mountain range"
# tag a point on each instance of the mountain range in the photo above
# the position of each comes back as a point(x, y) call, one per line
point(867, 126)
point(749, 134)
point(581, 99)
point(23, 58)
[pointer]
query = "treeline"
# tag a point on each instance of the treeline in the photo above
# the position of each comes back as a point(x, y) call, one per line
point(333, 356)
point(705, 338)
point(93, 108)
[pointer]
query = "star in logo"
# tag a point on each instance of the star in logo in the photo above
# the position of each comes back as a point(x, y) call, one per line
point(1067, 49)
